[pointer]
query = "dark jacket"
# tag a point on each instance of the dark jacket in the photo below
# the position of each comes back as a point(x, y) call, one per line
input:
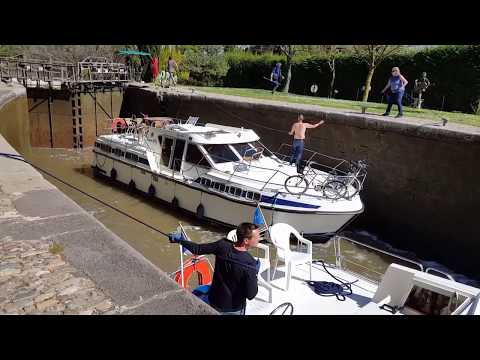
point(234, 278)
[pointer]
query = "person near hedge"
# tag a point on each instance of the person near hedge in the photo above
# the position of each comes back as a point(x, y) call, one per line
point(171, 67)
point(396, 86)
point(276, 76)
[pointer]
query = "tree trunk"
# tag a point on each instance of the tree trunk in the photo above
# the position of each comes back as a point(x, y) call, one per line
point(367, 84)
point(289, 75)
point(332, 82)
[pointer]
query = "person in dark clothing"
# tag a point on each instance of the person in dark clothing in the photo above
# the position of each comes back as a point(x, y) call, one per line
point(276, 76)
point(235, 274)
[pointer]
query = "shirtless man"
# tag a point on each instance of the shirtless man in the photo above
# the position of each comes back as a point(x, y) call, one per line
point(298, 132)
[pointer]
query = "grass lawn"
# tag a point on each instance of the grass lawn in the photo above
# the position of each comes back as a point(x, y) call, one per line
point(373, 108)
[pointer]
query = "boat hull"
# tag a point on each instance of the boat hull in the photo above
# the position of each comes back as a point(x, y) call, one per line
point(215, 207)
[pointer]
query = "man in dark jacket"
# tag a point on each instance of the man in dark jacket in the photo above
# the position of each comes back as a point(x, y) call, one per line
point(235, 275)
point(276, 76)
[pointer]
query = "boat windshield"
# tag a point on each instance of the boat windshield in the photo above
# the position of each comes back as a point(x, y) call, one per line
point(247, 150)
point(221, 153)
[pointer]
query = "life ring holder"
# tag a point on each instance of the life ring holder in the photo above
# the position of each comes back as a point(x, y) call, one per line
point(199, 265)
point(118, 124)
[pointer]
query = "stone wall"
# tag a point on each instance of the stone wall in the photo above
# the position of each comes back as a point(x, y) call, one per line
point(14, 120)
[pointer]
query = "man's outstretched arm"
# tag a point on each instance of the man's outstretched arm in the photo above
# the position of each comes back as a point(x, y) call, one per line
point(200, 249)
point(310, 126)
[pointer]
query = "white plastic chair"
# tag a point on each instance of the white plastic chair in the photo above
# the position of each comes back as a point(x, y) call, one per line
point(280, 236)
point(264, 264)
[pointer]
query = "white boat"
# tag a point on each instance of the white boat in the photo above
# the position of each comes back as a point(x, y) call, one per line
point(221, 173)
point(344, 282)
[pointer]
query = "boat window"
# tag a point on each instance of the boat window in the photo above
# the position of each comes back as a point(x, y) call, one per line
point(244, 149)
point(216, 186)
point(258, 145)
point(238, 192)
point(178, 154)
point(250, 195)
point(232, 190)
point(97, 144)
point(143, 161)
point(166, 151)
point(195, 156)
point(244, 193)
point(222, 187)
point(220, 153)
point(206, 182)
point(256, 196)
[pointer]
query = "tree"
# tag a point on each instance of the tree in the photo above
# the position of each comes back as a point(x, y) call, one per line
point(205, 63)
point(290, 51)
point(9, 50)
point(331, 53)
point(68, 53)
point(374, 55)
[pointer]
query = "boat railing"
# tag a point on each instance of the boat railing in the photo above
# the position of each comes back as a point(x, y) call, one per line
point(351, 173)
point(353, 265)
point(431, 270)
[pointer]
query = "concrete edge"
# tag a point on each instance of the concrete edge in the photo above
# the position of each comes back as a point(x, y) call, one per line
point(10, 92)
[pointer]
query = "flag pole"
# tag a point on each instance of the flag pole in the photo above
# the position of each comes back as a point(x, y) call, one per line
point(181, 261)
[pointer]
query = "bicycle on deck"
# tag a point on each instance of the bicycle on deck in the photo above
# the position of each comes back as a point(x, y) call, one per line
point(332, 186)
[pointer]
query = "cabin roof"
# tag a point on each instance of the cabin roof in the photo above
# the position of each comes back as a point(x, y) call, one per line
point(213, 133)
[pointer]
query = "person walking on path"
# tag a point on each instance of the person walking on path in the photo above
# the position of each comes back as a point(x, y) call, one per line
point(235, 274)
point(171, 68)
point(276, 76)
point(396, 86)
point(298, 131)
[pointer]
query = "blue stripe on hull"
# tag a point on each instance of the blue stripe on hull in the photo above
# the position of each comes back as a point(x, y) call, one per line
point(271, 200)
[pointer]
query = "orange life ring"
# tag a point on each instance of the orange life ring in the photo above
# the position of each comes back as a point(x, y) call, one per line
point(199, 265)
point(117, 124)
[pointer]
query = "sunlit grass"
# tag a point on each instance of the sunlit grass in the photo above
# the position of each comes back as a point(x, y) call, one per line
point(373, 108)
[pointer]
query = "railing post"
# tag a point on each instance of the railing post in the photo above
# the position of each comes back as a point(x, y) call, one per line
point(338, 253)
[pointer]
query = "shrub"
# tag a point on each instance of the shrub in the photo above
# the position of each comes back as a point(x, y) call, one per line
point(205, 64)
point(454, 72)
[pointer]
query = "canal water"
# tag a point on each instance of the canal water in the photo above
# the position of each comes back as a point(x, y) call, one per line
point(73, 167)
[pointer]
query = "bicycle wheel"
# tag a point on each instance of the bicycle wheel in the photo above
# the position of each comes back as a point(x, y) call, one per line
point(334, 189)
point(296, 185)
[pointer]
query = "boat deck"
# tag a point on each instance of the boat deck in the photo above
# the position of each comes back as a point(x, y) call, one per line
point(306, 302)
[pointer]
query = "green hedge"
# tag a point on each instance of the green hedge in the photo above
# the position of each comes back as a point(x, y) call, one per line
point(454, 72)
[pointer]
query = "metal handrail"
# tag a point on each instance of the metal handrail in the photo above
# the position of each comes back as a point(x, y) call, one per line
point(379, 250)
point(429, 269)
